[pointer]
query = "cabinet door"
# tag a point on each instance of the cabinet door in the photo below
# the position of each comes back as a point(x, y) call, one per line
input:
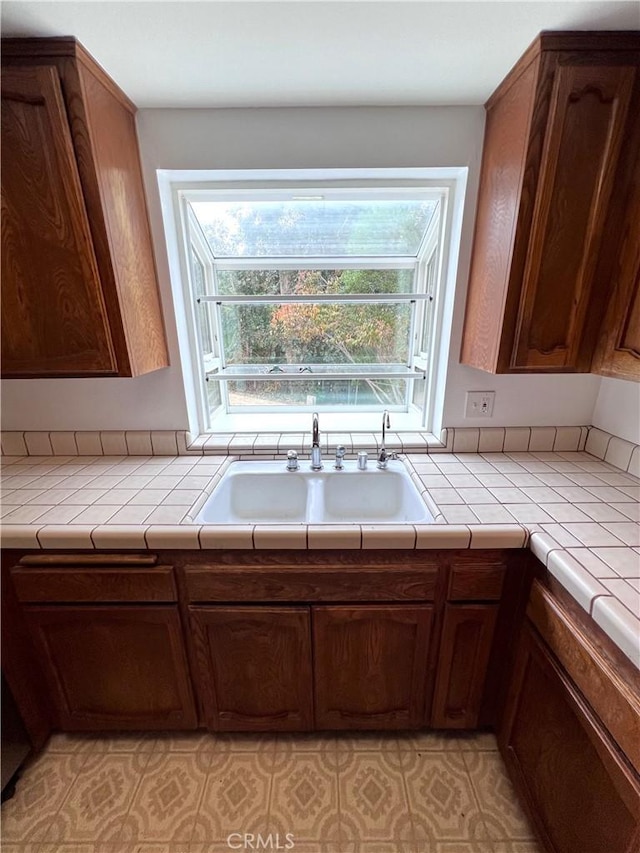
point(585, 129)
point(582, 795)
point(465, 650)
point(254, 667)
point(53, 315)
point(618, 351)
point(370, 666)
point(114, 667)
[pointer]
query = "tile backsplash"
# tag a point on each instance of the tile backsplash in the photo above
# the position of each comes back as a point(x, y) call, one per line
point(616, 451)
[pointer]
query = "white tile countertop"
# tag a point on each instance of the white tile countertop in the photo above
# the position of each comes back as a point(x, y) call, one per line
point(578, 514)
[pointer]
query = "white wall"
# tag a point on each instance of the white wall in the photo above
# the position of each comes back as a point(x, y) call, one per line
point(383, 137)
point(617, 409)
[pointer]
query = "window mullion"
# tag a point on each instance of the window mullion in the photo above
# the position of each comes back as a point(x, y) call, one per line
point(292, 298)
point(373, 262)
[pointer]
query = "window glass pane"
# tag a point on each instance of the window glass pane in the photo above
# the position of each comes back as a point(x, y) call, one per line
point(295, 228)
point(418, 389)
point(214, 396)
point(202, 312)
point(311, 282)
point(199, 287)
point(316, 333)
point(334, 393)
point(427, 326)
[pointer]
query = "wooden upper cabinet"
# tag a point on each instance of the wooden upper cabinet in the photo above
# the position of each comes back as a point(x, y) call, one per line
point(618, 348)
point(46, 238)
point(561, 132)
point(79, 287)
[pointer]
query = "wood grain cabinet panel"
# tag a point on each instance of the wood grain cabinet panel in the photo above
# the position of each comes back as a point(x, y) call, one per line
point(53, 314)
point(618, 350)
point(370, 666)
point(581, 794)
point(112, 668)
point(254, 667)
point(79, 288)
point(465, 650)
point(560, 133)
point(585, 129)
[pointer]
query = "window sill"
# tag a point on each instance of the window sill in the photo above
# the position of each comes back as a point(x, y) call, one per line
point(265, 443)
point(341, 422)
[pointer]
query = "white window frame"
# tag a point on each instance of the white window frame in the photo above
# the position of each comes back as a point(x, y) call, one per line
point(436, 244)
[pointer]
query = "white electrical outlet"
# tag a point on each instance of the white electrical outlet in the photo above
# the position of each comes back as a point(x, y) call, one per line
point(479, 404)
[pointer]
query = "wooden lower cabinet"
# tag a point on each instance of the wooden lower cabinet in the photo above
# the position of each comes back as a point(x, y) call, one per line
point(254, 667)
point(579, 790)
point(370, 665)
point(465, 651)
point(109, 667)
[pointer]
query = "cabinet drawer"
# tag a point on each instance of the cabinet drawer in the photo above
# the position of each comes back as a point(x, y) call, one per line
point(100, 584)
point(288, 584)
point(476, 582)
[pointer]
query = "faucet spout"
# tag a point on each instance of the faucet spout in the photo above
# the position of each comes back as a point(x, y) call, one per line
point(383, 456)
point(316, 453)
point(386, 424)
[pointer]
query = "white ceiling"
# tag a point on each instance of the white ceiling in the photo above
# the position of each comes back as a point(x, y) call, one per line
point(306, 53)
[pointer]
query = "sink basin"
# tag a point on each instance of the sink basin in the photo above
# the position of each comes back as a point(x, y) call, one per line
point(265, 493)
point(255, 492)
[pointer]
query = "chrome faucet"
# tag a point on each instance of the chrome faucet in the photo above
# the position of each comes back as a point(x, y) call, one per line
point(316, 453)
point(383, 456)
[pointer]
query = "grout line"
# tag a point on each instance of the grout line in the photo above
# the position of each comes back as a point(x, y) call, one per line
point(600, 595)
point(606, 449)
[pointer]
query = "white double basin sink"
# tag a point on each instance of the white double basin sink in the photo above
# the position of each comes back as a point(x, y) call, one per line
point(266, 493)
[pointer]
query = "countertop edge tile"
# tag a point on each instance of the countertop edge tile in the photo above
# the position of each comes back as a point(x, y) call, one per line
point(388, 536)
point(280, 536)
point(575, 578)
point(173, 536)
point(620, 625)
point(541, 544)
point(19, 536)
point(66, 536)
point(119, 536)
point(497, 536)
point(217, 537)
point(445, 536)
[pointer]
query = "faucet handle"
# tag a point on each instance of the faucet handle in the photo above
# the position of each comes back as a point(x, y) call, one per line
point(340, 452)
point(292, 460)
point(384, 457)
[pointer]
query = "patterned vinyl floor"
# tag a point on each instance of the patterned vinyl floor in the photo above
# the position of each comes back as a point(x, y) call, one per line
point(415, 793)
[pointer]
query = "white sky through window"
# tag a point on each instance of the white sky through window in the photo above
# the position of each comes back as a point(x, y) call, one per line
point(315, 226)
